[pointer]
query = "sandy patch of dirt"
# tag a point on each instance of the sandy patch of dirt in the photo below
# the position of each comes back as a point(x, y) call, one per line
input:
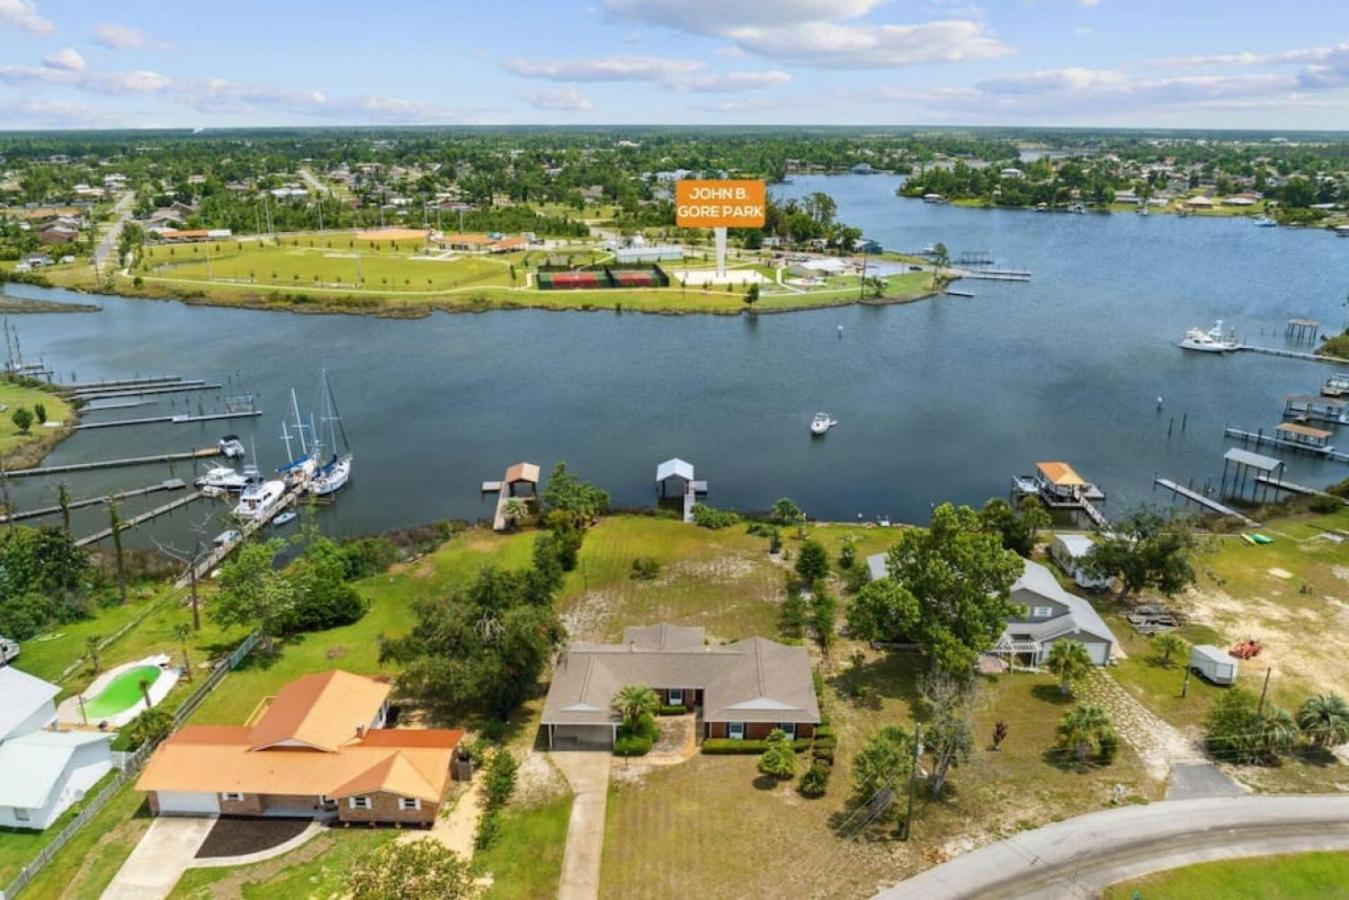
point(587, 617)
point(723, 568)
point(538, 780)
point(1280, 573)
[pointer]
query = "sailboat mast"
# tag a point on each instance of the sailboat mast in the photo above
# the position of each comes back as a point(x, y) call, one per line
point(299, 423)
point(332, 403)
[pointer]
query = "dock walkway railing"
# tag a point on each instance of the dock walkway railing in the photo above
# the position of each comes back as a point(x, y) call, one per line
point(131, 765)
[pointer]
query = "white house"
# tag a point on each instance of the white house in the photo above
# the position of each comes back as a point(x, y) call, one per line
point(29, 704)
point(43, 772)
point(1070, 552)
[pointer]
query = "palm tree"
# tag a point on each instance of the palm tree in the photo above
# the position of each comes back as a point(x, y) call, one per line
point(144, 685)
point(1324, 719)
point(1277, 733)
point(633, 701)
point(181, 631)
point(515, 509)
point(1168, 645)
point(1084, 730)
point(1069, 661)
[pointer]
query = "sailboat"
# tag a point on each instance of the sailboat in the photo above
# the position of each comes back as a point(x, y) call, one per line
point(300, 468)
point(333, 475)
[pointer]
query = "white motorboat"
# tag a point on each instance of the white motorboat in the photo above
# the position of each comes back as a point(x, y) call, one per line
point(257, 499)
point(1264, 222)
point(1336, 385)
point(1211, 341)
point(284, 518)
point(231, 447)
point(224, 478)
point(821, 423)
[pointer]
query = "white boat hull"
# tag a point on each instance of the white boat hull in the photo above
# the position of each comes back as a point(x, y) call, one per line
point(333, 480)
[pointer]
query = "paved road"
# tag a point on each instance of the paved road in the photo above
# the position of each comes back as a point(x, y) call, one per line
point(588, 773)
point(121, 212)
point(1079, 857)
point(158, 861)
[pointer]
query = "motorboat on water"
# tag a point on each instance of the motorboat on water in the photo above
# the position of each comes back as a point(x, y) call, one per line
point(821, 423)
point(1336, 385)
point(225, 478)
point(1211, 341)
point(284, 518)
point(231, 447)
point(1263, 222)
point(257, 499)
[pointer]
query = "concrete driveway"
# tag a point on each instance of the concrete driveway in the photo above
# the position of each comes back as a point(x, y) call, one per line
point(1080, 856)
point(158, 861)
point(587, 771)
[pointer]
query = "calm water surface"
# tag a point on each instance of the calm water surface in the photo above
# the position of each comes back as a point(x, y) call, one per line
point(943, 399)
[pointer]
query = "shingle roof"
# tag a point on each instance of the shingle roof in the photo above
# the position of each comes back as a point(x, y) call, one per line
point(24, 695)
point(322, 711)
point(1037, 579)
point(31, 765)
point(754, 680)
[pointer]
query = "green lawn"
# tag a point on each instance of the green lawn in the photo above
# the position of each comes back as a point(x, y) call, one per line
point(526, 861)
point(21, 449)
point(318, 868)
point(18, 847)
point(1306, 875)
point(86, 865)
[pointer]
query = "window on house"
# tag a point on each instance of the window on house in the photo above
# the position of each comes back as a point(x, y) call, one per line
point(676, 696)
point(790, 728)
point(358, 802)
point(1042, 612)
point(20, 814)
point(231, 796)
point(736, 730)
point(409, 803)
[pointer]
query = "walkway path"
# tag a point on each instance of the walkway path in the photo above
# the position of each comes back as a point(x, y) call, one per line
point(1079, 857)
point(457, 830)
point(588, 773)
point(158, 861)
point(1159, 744)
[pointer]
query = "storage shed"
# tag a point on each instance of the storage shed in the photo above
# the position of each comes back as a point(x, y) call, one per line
point(1214, 663)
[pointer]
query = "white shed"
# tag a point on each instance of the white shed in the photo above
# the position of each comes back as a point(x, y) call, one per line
point(1214, 663)
point(1070, 552)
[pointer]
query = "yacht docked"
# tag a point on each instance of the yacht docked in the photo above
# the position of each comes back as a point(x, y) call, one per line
point(257, 499)
point(224, 478)
point(821, 423)
point(1211, 341)
point(1336, 385)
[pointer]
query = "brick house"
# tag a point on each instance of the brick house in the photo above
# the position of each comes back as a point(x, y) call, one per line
point(320, 749)
point(740, 691)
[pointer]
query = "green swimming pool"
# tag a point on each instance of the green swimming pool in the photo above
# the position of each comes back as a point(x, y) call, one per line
point(122, 693)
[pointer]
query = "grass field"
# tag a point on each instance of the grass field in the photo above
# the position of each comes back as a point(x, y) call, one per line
point(1295, 877)
point(19, 449)
point(318, 868)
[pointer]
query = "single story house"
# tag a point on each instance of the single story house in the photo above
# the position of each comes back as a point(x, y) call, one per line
point(738, 691)
point(1046, 613)
point(42, 772)
point(320, 749)
point(1070, 552)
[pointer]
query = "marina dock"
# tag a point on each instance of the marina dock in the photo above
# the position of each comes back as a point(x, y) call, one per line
point(171, 484)
point(1206, 502)
point(76, 386)
point(1294, 488)
point(1259, 437)
point(180, 419)
point(140, 519)
point(146, 391)
point(203, 567)
point(203, 453)
point(1289, 354)
point(994, 275)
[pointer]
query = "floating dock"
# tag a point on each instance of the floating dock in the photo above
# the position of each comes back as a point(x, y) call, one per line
point(171, 484)
point(204, 453)
point(1206, 502)
point(147, 391)
point(951, 292)
point(181, 419)
point(140, 519)
point(217, 555)
point(995, 275)
point(118, 383)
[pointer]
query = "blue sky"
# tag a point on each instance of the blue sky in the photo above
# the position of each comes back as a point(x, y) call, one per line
point(1182, 63)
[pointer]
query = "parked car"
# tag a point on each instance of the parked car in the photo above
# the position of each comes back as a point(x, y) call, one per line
point(8, 650)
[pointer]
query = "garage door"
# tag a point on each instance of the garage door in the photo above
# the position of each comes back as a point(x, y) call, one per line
point(188, 803)
point(582, 737)
point(1097, 652)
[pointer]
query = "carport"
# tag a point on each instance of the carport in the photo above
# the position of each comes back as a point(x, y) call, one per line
point(564, 736)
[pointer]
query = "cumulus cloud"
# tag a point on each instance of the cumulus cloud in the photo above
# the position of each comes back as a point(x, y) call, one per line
point(67, 60)
point(675, 74)
point(23, 14)
point(568, 99)
point(120, 37)
point(818, 32)
point(38, 112)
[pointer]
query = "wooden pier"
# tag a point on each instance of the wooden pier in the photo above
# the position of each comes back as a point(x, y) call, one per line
point(203, 567)
point(1259, 437)
point(118, 382)
point(171, 484)
point(203, 453)
point(140, 519)
point(695, 490)
point(1206, 502)
point(994, 275)
point(180, 419)
point(952, 292)
point(1288, 354)
point(1294, 488)
point(147, 391)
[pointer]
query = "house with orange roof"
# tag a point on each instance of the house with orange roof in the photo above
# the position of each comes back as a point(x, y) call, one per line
point(320, 749)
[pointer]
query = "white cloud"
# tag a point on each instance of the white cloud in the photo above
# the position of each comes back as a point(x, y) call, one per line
point(23, 14)
point(675, 74)
point(67, 60)
point(38, 112)
point(557, 99)
point(819, 32)
point(1338, 53)
point(120, 37)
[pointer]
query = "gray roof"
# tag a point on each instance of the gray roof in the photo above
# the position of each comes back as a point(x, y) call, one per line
point(1081, 617)
point(23, 695)
point(1213, 654)
point(1077, 545)
point(674, 467)
point(31, 765)
point(876, 566)
point(1254, 460)
point(754, 680)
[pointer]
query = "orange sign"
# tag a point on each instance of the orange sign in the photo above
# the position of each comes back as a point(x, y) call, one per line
point(719, 204)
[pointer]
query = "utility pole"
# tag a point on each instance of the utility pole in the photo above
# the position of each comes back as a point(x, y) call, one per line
point(1185, 685)
point(913, 780)
point(1259, 710)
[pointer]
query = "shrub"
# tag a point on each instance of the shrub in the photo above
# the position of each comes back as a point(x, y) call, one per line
point(644, 568)
point(816, 780)
point(499, 783)
point(729, 747)
point(823, 754)
point(827, 741)
point(632, 745)
point(1325, 505)
point(363, 557)
point(779, 758)
point(707, 517)
point(674, 710)
point(150, 727)
point(825, 730)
